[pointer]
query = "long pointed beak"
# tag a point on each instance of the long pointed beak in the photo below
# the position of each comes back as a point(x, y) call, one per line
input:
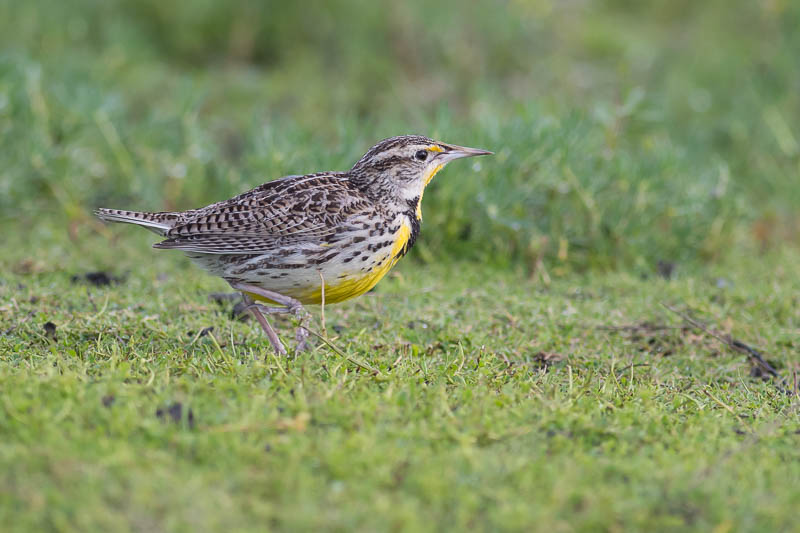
point(457, 152)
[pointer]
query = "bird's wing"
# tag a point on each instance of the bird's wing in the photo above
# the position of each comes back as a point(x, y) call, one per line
point(285, 212)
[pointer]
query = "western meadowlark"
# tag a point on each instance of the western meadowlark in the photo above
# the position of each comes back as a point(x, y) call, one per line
point(319, 238)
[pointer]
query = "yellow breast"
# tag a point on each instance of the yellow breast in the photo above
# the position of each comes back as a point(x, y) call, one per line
point(356, 284)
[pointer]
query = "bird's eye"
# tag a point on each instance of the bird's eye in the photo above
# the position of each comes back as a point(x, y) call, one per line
point(421, 155)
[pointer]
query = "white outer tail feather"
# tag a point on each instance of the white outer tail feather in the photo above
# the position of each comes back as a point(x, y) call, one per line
point(133, 217)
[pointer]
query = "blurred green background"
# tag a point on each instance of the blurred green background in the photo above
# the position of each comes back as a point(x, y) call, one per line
point(627, 132)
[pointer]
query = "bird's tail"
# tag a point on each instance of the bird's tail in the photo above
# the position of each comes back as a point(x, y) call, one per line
point(157, 222)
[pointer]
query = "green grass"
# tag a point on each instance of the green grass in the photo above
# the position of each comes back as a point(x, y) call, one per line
point(627, 134)
point(463, 427)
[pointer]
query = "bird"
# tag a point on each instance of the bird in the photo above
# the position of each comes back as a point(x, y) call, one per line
point(318, 238)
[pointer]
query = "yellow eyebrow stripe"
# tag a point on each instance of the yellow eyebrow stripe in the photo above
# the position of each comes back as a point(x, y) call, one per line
point(434, 148)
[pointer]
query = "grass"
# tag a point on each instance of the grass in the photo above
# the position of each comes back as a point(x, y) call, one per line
point(525, 373)
point(466, 426)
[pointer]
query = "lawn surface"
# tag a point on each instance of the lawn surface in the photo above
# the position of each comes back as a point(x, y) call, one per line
point(495, 401)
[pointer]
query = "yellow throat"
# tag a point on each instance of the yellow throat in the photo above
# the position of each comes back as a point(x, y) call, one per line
point(435, 170)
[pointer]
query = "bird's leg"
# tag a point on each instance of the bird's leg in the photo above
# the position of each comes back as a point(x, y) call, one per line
point(301, 334)
point(291, 306)
point(271, 335)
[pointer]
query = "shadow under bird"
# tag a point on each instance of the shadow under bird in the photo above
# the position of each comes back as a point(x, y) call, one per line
point(324, 237)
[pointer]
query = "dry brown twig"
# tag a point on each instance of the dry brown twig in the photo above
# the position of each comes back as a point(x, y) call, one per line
point(755, 357)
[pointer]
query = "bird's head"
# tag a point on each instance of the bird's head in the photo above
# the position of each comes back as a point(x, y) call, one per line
point(399, 168)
